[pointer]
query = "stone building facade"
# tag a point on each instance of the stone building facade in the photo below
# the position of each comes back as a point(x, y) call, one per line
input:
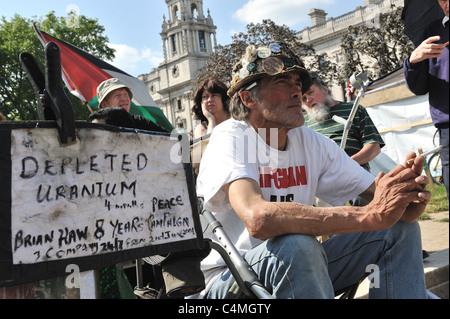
point(325, 35)
point(188, 38)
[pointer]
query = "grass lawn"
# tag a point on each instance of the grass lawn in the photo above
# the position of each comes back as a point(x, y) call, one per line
point(438, 202)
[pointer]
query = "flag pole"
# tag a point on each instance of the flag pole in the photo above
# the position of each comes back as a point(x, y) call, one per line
point(89, 108)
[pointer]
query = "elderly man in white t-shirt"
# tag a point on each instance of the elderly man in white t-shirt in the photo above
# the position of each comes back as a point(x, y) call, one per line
point(260, 174)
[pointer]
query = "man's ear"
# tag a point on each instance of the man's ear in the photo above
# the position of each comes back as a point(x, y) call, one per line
point(247, 99)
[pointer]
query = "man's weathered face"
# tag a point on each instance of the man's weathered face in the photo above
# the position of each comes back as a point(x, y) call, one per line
point(317, 103)
point(314, 96)
point(118, 98)
point(279, 100)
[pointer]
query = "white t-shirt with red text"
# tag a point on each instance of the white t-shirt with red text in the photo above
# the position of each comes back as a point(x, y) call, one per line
point(310, 166)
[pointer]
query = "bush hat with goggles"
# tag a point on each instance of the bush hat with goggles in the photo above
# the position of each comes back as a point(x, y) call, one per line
point(260, 62)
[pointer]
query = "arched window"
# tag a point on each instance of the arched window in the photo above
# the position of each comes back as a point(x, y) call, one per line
point(174, 43)
point(194, 11)
point(176, 13)
point(202, 40)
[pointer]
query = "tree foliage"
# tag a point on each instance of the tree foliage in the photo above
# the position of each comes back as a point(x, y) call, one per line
point(17, 97)
point(260, 34)
point(378, 48)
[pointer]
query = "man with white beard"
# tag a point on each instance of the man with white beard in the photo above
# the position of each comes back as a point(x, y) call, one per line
point(363, 143)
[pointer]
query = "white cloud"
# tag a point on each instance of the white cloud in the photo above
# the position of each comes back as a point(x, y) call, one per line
point(288, 12)
point(135, 61)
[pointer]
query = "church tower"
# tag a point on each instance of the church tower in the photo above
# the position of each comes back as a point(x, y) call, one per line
point(188, 39)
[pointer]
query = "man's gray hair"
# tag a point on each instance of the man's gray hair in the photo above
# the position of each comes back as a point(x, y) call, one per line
point(237, 109)
point(317, 80)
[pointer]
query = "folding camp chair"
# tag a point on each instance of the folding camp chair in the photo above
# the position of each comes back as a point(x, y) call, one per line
point(245, 277)
point(247, 284)
point(246, 281)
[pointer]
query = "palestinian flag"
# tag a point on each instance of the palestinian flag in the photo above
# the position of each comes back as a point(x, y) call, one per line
point(82, 73)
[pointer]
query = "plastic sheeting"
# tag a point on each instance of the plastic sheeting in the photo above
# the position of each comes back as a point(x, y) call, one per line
point(405, 126)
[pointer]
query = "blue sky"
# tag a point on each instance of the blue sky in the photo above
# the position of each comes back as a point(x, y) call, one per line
point(133, 26)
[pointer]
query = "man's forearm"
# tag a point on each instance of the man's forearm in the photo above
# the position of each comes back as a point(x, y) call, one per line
point(282, 218)
point(265, 219)
point(367, 153)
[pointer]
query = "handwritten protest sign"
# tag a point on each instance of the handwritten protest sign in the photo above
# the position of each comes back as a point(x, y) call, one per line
point(110, 192)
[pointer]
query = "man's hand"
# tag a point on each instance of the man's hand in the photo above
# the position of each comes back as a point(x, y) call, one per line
point(400, 194)
point(417, 207)
point(427, 50)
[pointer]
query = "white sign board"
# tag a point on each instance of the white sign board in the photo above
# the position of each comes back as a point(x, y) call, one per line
point(111, 191)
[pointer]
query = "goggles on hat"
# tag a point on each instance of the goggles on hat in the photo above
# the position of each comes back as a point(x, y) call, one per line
point(263, 61)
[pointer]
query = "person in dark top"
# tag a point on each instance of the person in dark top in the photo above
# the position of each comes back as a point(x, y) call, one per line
point(114, 116)
point(113, 93)
point(426, 71)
